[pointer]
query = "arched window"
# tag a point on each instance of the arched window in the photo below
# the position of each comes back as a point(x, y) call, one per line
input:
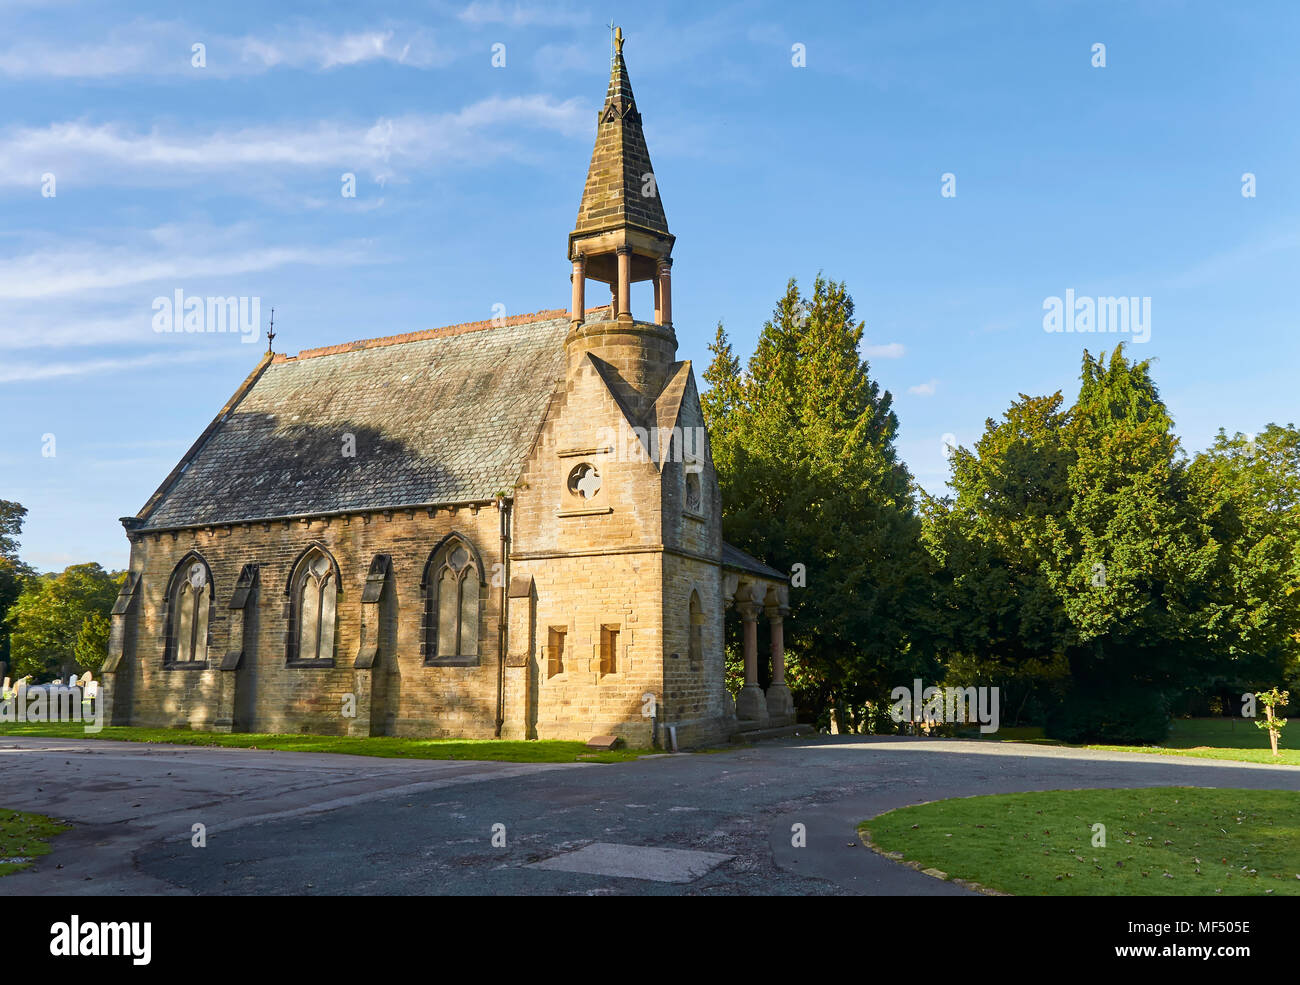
point(452, 584)
point(697, 632)
point(314, 591)
point(189, 606)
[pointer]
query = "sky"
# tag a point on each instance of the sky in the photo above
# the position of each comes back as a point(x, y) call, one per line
point(957, 164)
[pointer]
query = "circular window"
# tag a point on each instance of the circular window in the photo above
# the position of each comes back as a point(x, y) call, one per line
point(584, 481)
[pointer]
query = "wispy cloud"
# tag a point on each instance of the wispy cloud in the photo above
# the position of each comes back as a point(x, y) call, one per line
point(481, 12)
point(111, 153)
point(35, 371)
point(77, 270)
point(152, 48)
point(889, 350)
point(924, 389)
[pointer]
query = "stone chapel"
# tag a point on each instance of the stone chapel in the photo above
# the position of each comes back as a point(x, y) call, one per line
point(507, 528)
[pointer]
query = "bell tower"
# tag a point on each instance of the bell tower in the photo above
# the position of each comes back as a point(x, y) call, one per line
point(621, 237)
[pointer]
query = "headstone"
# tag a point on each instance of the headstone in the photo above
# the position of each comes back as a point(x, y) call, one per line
point(604, 742)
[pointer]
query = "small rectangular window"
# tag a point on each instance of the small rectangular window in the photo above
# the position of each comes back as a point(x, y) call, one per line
point(555, 651)
point(608, 649)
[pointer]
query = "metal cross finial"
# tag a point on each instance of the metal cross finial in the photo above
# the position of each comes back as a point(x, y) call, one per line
point(270, 333)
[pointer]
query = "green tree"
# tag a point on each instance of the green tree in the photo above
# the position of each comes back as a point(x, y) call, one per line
point(1248, 491)
point(48, 617)
point(1077, 568)
point(804, 446)
point(1002, 622)
point(13, 572)
point(11, 525)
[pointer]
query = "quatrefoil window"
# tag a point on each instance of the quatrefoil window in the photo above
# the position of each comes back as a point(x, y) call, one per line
point(584, 481)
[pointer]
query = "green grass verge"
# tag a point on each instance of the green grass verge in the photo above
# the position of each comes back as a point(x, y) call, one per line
point(389, 747)
point(1201, 738)
point(24, 838)
point(1166, 841)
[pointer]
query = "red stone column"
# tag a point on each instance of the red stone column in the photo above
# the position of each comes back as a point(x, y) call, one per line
point(751, 705)
point(579, 289)
point(625, 283)
point(665, 282)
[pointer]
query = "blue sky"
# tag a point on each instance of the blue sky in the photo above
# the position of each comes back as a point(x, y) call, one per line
point(226, 179)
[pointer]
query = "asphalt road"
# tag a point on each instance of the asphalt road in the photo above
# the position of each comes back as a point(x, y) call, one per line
point(306, 823)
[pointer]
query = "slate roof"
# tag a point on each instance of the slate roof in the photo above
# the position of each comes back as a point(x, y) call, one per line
point(738, 560)
point(612, 196)
point(439, 417)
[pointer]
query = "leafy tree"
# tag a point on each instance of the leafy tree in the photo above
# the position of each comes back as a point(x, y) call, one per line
point(804, 446)
point(91, 648)
point(1077, 568)
point(11, 525)
point(48, 618)
point(1003, 623)
point(1248, 491)
point(13, 572)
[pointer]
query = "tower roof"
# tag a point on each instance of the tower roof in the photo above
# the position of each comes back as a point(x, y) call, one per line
point(620, 175)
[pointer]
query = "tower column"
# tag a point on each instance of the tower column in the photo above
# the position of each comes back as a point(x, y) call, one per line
point(579, 289)
point(664, 292)
point(625, 283)
point(751, 705)
point(780, 703)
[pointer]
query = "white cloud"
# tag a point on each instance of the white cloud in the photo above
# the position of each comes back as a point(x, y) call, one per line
point(109, 152)
point(924, 389)
point(481, 12)
point(890, 350)
point(29, 372)
point(77, 270)
point(149, 48)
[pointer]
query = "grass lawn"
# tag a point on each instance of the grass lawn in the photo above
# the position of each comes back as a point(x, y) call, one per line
point(1165, 841)
point(23, 839)
point(500, 750)
point(1203, 738)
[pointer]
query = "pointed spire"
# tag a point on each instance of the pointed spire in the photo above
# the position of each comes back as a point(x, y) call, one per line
point(621, 189)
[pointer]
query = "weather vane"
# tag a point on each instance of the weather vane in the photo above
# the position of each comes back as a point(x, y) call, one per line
point(270, 333)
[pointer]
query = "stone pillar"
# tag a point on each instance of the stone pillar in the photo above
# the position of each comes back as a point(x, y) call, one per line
point(750, 704)
point(665, 284)
point(576, 316)
point(625, 283)
point(116, 692)
point(520, 683)
point(780, 704)
point(659, 310)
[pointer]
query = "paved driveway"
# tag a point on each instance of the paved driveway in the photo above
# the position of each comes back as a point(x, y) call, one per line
point(279, 822)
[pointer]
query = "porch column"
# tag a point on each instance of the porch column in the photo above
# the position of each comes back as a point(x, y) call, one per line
point(750, 703)
point(625, 283)
point(659, 310)
point(579, 289)
point(780, 703)
point(664, 283)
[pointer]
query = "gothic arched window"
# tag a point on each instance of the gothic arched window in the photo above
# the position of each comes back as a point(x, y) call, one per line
point(189, 606)
point(453, 580)
point(314, 591)
point(696, 650)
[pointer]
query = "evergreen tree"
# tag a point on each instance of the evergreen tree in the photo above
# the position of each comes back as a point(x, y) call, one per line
point(804, 444)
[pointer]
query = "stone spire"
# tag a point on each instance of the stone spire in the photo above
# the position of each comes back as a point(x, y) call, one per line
point(621, 235)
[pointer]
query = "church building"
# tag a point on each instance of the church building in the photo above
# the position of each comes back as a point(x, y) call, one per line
point(505, 528)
